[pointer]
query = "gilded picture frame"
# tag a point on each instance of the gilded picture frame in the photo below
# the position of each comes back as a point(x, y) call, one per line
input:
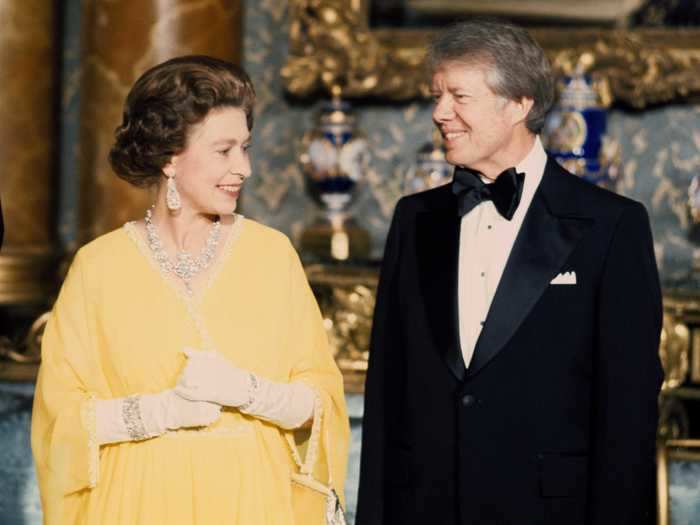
point(332, 48)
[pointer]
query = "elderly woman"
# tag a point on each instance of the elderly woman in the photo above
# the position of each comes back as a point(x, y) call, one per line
point(186, 348)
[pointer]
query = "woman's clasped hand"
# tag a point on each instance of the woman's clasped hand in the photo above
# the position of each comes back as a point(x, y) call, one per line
point(209, 376)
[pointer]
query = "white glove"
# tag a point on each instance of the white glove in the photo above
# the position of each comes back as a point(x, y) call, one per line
point(149, 415)
point(209, 376)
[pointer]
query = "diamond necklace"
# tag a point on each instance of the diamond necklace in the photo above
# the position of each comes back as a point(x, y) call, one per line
point(186, 265)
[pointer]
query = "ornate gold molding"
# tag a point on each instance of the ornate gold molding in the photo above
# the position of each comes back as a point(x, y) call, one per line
point(679, 348)
point(331, 44)
point(28, 277)
point(19, 361)
point(674, 348)
point(346, 296)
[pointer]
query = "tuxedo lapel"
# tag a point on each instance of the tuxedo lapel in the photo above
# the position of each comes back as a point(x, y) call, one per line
point(545, 241)
point(437, 242)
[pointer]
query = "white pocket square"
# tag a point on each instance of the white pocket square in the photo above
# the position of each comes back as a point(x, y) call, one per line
point(565, 278)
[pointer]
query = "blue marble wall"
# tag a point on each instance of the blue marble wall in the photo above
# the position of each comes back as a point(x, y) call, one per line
point(684, 492)
point(661, 152)
point(19, 495)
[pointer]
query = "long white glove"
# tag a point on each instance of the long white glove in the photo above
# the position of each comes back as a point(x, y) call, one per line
point(209, 376)
point(149, 415)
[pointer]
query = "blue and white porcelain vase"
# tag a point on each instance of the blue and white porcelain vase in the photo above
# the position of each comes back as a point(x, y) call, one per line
point(334, 160)
point(430, 168)
point(575, 132)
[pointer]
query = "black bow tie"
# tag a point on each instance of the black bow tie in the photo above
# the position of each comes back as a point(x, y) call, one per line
point(505, 192)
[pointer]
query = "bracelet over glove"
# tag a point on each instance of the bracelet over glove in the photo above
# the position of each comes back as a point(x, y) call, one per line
point(141, 417)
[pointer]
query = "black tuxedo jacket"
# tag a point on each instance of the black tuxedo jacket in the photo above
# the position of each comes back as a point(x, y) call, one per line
point(554, 420)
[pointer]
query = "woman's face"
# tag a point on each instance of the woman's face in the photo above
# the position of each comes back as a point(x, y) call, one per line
point(211, 169)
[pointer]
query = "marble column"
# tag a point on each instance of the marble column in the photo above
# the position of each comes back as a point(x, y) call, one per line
point(121, 40)
point(28, 169)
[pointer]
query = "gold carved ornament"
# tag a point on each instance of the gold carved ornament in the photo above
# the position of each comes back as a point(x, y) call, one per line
point(19, 361)
point(679, 351)
point(331, 44)
point(346, 297)
point(673, 351)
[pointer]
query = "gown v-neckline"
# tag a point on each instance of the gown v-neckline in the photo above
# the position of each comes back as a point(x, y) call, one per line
point(197, 297)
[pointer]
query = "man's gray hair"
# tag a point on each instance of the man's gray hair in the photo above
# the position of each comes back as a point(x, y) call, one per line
point(516, 65)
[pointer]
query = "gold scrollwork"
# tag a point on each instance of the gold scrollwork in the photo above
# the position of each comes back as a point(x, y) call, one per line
point(346, 296)
point(680, 340)
point(637, 67)
point(673, 350)
point(331, 45)
point(20, 361)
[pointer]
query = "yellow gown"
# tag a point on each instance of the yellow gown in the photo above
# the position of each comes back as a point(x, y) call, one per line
point(119, 327)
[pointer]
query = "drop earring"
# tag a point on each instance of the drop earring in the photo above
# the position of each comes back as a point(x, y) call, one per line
point(172, 197)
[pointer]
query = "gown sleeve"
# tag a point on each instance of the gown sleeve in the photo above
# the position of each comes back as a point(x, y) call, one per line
point(314, 365)
point(64, 447)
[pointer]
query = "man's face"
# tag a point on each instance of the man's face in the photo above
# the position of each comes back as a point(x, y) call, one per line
point(476, 125)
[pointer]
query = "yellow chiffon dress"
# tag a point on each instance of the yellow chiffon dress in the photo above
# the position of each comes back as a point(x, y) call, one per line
point(119, 327)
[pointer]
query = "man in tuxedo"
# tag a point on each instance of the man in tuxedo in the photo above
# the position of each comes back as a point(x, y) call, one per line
point(514, 372)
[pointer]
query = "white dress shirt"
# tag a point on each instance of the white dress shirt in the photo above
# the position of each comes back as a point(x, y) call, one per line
point(485, 242)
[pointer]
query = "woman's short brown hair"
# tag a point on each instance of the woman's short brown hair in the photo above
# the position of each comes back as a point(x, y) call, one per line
point(162, 106)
